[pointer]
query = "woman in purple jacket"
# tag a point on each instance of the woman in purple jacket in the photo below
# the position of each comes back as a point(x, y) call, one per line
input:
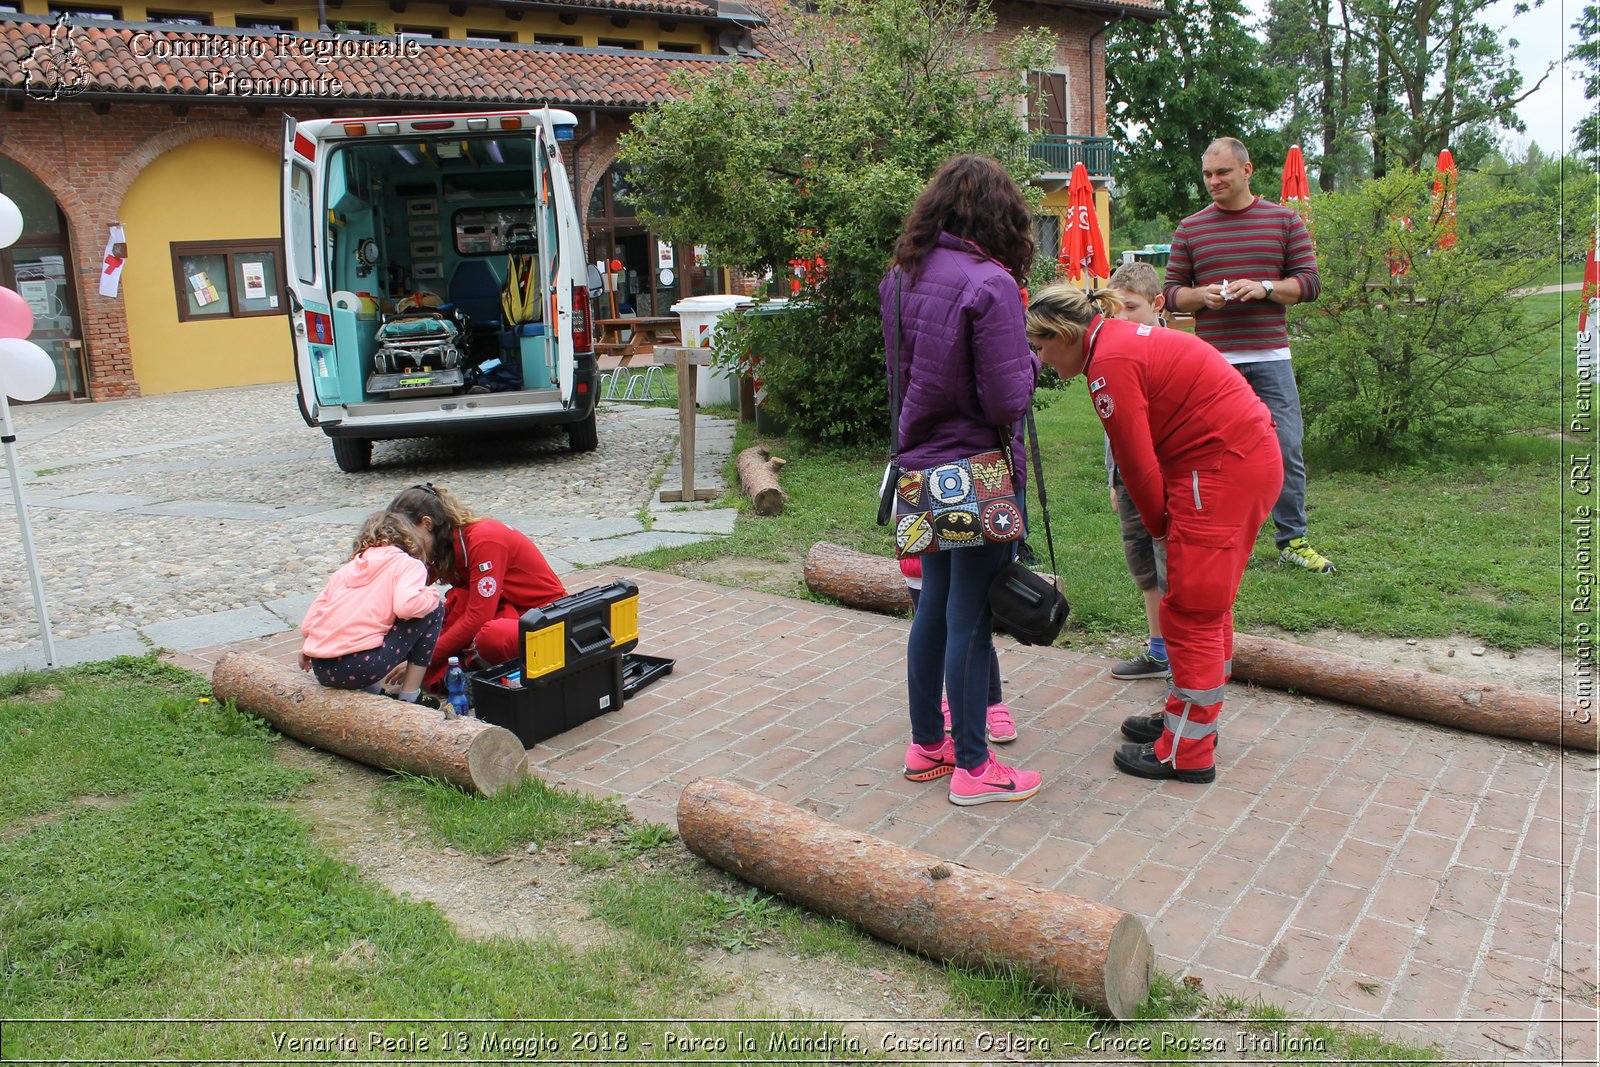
point(966, 377)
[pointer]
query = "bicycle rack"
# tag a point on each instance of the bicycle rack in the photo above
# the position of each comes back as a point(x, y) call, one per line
point(639, 385)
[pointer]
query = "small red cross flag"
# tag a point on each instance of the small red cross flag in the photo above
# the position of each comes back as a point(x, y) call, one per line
point(111, 263)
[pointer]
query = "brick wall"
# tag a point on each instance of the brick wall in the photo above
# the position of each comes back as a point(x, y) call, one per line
point(89, 161)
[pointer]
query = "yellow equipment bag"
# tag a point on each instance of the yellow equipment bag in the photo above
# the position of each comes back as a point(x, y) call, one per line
point(519, 300)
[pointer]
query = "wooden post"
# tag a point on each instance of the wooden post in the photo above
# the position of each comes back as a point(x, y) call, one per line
point(1098, 955)
point(685, 360)
point(375, 730)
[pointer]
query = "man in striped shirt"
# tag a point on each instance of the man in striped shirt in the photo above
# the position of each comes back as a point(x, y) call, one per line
point(1236, 265)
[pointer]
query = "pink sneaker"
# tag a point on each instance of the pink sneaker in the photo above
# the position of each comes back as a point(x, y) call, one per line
point(924, 766)
point(944, 706)
point(1001, 728)
point(993, 781)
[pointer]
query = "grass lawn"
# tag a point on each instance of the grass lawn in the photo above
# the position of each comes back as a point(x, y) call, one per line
point(1465, 540)
point(153, 871)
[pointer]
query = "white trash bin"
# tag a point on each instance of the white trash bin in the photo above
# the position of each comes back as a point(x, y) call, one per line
point(699, 314)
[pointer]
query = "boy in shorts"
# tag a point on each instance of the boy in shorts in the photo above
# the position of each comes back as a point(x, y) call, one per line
point(1140, 289)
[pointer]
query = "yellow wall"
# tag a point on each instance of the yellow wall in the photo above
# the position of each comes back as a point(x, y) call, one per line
point(205, 191)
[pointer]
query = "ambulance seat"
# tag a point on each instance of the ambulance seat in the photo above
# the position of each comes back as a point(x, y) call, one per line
point(475, 290)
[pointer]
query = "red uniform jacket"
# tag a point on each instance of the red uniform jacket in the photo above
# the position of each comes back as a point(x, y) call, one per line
point(1170, 404)
point(504, 574)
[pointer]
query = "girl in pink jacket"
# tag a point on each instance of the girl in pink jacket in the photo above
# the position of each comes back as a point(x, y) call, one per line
point(377, 619)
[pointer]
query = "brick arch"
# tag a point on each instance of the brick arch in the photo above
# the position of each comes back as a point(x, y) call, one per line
point(607, 145)
point(44, 170)
point(133, 164)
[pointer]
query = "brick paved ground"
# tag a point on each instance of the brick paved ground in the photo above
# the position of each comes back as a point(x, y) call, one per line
point(1346, 865)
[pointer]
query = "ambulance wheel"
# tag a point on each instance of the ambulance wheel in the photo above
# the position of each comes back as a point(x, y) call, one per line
point(352, 454)
point(583, 436)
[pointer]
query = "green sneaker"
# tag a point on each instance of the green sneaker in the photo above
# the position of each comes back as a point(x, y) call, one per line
point(1300, 554)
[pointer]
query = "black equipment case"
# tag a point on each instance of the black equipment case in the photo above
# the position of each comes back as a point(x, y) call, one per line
point(572, 664)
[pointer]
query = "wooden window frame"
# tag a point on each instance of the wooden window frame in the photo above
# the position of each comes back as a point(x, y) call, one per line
point(273, 24)
point(231, 251)
point(92, 12)
point(170, 18)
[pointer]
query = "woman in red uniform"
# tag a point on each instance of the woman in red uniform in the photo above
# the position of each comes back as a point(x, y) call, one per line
point(495, 574)
point(1200, 458)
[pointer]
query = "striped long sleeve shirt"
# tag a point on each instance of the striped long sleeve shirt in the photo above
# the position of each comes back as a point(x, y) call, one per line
point(1263, 242)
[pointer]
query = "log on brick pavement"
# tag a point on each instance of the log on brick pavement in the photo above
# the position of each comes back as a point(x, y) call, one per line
point(375, 730)
point(856, 579)
point(1098, 955)
point(1482, 707)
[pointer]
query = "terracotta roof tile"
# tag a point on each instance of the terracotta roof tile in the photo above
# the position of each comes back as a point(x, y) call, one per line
point(119, 58)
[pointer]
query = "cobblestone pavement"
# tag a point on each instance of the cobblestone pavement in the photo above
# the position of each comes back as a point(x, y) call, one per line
point(225, 509)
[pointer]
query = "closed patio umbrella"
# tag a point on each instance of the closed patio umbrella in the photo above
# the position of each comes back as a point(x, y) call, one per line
point(1082, 247)
point(1444, 201)
point(1295, 191)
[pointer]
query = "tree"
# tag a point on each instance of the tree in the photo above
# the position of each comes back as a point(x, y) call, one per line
point(1585, 54)
point(1331, 80)
point(1175, 85)
point(814, 157)
point(1401, 78)
point(1394, 365)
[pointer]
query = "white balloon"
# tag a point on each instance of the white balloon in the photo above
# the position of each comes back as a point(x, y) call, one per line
point(10, 221)
point(26, 370)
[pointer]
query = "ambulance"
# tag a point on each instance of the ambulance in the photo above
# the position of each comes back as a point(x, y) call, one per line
point(436, 278)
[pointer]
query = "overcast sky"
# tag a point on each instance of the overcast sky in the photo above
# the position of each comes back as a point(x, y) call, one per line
point(1543, 36)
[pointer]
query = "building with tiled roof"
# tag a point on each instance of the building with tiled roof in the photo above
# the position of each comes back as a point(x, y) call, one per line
point(165, 120)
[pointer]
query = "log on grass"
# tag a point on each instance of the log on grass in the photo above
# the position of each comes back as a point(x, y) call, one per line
point(758, 475)
point(1096, 954)
point(371, 729)
point(1482, 707)
point(856, 579)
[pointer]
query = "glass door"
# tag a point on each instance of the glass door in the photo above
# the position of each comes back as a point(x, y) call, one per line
point(39, 269)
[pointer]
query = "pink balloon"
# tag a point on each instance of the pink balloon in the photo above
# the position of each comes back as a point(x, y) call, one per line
point(16, 317)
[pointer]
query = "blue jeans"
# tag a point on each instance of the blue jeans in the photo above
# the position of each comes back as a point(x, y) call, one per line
point(1274, 383)
point(951, 646)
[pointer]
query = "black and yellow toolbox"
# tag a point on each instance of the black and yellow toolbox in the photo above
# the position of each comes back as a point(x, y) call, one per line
point(576, 663)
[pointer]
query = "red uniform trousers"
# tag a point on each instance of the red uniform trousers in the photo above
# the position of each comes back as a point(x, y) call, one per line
point(1213, 517)
point(494, 643)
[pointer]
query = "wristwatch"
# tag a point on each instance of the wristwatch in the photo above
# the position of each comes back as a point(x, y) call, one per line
point(1268, 286)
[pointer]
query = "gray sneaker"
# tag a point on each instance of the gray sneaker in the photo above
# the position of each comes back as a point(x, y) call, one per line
point(1143, 665)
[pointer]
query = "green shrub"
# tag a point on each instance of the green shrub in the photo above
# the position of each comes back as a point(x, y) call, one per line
point(1392, 365)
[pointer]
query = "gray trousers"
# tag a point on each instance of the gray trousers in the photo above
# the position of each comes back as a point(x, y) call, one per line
point(1274, 383)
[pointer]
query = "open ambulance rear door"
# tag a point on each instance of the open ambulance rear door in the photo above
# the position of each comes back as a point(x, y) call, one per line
point(305, 275)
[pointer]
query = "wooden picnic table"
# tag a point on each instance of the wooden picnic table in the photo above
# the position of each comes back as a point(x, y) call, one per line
point(645, 334)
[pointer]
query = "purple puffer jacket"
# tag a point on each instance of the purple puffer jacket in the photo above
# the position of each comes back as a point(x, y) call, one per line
point(965, 366)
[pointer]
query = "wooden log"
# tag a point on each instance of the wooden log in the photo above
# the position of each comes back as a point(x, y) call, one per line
point(375, 730)
point(856, 579)
point(1482, 707)
point(758, 475)
point(1098, 955)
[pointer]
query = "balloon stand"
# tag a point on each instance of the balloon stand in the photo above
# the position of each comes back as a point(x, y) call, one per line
point(9, 438)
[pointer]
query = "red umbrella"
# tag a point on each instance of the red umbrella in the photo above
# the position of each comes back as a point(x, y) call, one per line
point(1444, 200)
point(1296, 189)
point(1591, 282)
point(1082, 247)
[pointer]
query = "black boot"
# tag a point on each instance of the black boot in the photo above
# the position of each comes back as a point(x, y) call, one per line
point(1141, 761)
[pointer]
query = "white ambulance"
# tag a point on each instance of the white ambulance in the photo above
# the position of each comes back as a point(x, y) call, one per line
point(435, 272)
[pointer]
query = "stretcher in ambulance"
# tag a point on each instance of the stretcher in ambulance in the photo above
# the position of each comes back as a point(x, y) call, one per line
point(436, 278)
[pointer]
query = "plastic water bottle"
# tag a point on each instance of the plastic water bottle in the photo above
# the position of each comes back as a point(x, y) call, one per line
point(455, 680)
